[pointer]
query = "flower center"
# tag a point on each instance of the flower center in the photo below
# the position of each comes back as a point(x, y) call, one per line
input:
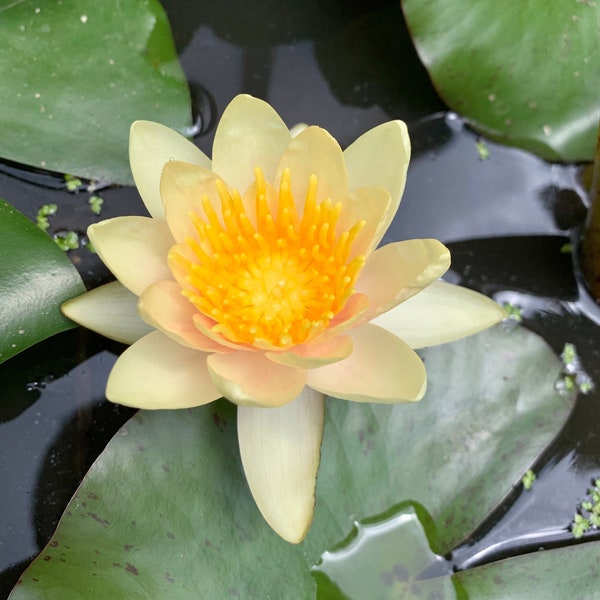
point(275, 283)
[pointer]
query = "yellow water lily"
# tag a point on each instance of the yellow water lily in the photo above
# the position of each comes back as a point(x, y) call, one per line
point(258, 278)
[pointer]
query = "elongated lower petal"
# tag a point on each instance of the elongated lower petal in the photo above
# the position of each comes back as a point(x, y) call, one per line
point(157, 372)
point(134, 249)
point(151, 146)
point(251, 379)
point(382, 368)
point(441, 313)
point(397, 271)
point(280, 450)
point(163, 306)
point(110, 310)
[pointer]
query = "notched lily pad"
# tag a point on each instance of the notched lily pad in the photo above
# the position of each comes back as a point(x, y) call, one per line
point(36, 277)
point(76, 74)
point(166, 509)
point(521, 73)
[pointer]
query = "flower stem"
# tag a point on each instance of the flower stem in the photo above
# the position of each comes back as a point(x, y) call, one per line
point(590, 246)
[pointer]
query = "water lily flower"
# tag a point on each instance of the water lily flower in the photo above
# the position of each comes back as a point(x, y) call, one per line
point(258, 277)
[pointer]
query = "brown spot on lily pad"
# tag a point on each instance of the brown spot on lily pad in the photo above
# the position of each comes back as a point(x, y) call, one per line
point(169, 578)
point(98, 519)
point(166, 468)
point(170, 535)
point(128, 547)
point(131, 569)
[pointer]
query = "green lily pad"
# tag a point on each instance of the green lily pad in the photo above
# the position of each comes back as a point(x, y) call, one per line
point(36, 277)
point(519, 72)
point(165, 510)
point(76, 74)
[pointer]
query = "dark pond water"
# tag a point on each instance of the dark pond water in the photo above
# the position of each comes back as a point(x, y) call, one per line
point(347, 67)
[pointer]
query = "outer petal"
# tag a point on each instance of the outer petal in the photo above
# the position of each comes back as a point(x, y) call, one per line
point(182, 187)
point(380, 158)
point(248, 378)
point(314, 151)
point(382, 368)
point(157, 372)
point(311, 356)
point(441, 313)
point(280, 449)
point(110, 310)
point(151, 145)
point(397, 271)
point(163, 306)
point(134, 249)
point(250, 134)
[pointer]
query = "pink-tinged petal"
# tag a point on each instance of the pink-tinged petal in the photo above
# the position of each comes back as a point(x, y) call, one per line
point(250, 134)
point(110, 310)
point(280, 450)
point(313, 355)
point(205, 325)
point(354, 312)
point(380, 158)
point(134, 249)
point(151, 146)
point(182, 187)
point(315, 152)
point(371, 206)
point(251, 379)
point(397, 271)
point(163, 306)
point(157, 372)
point(441, 313)
point(382, 368)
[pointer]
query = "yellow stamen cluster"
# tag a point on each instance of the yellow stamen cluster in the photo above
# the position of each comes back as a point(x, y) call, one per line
point(274, 281)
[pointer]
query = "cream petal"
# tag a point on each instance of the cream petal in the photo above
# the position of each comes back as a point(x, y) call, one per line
point(151, 145)
point(313, 355)
point(182, 187)
point(315, 152)
point(110, 310)
point(163, 306)
point(382, 368)
point(157, 372)
point(280, 450)
point(251, 379)
point(134, 249)
point(397, 271)
point(441, 313)
point(380, 158)
point(250, 134)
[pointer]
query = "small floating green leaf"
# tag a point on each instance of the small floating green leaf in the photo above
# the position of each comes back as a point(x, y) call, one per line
point(35, 279)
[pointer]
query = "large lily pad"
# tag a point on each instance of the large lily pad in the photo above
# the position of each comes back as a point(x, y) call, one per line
point(76, 74)
point(520, 72)
point(165, 510)
point(36, 277)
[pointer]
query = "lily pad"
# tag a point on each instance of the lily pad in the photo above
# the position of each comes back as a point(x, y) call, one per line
point(36, 277)
point(519, 72)
point(76, 74)
point(165, 510)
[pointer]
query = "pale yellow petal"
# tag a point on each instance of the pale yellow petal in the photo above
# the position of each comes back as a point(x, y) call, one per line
point(441, 313)
point(382, 368)
point(157, 372)
point(380, 158)
point(110, 310)
point(251, 379)
point(313, 355)
point(397, 271)
point(280, 450)
point(315, 152)
point(250, 134)
point(151, 145)
point(134, 249)
point(183, 187)
point(163, 306)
